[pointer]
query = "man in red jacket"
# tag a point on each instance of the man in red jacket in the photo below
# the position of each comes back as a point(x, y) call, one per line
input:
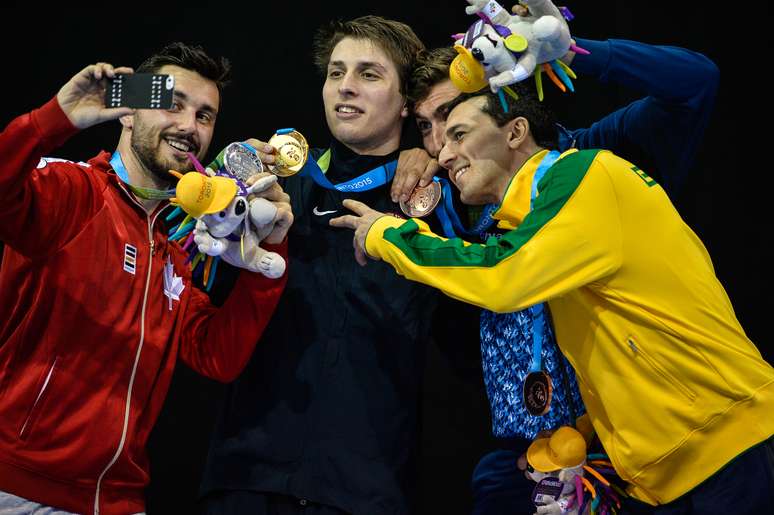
point(96, 304)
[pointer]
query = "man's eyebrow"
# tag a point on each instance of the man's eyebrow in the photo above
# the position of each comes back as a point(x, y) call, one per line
point(359, 64)
point(442, 110)
point(206, 107)
point(371, 64)
point(450, 130)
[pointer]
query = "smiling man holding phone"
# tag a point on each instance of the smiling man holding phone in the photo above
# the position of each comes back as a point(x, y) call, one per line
point(90, 326)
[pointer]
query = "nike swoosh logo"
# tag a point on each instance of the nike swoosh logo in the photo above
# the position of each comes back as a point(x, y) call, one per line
point(322, 213)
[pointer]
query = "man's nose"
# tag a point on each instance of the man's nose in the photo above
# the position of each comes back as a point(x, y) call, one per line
point(436, 139)
point(348, 84)
point(446, 157)
point(186, 120)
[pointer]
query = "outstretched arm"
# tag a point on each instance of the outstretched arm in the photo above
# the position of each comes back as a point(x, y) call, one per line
point(571, 238)
point(667, 125)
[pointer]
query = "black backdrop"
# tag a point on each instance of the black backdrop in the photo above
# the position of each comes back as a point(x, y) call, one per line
point(725, 199)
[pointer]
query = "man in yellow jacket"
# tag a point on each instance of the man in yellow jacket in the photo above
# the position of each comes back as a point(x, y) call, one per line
point(674, 388)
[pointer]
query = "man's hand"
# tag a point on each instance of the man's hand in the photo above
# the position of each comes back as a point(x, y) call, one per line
point(414, 166)
point(83, 97)
point(520, 10)
point(281, 200)
point(266, 153)
point(361, 224)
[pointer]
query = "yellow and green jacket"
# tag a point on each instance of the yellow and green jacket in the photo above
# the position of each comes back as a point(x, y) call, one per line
point(673, 386)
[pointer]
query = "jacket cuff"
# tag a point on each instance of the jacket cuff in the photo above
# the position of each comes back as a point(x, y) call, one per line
point(375, 234)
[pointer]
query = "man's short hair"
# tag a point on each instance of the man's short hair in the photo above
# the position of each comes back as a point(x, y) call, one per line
point(190, 57)
point(431, 69)
point(542, 123)
point(396, 39)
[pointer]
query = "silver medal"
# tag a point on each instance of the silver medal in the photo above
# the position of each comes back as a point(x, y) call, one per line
point(241, 162)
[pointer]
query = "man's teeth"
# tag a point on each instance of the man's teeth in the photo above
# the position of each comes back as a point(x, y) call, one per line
point(347, 109)
point(460, 172)
point(179, 145)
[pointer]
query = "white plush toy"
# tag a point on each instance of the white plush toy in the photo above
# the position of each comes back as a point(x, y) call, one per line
point(501, 49)
point(231, 221)
point(235, 233)
point(560, 458)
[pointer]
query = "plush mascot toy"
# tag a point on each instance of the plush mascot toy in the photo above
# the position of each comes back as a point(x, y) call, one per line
point(501, 49)
point(559, 464)
point(227, 219)
point(555, 463)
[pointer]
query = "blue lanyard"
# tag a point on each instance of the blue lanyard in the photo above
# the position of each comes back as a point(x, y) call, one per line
point(147, 193)
point(538, 310)
point(450, 221)
point(372, 179)
point(546, 163)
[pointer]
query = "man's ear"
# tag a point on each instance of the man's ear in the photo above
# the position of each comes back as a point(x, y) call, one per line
point(518, 132)
point(127, 121)
point(404, 112)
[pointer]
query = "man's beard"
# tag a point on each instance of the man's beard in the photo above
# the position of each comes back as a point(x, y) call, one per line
point(148, 152)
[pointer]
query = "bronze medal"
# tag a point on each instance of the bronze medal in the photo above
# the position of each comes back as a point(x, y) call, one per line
point(537, 393)
point(422, 201)
point(292, 153)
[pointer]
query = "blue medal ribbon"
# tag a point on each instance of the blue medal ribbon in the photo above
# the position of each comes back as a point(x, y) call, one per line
point(370, 180)
point(538, 310)
point(147, 193)
point(450, 221)
point(538, 326)
point(546, 163)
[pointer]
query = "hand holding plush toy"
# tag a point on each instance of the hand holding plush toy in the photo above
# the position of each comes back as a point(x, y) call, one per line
point(235, 233)
point(231, 220)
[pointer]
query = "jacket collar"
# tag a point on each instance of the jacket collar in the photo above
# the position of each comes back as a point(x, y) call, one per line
point(516, 203)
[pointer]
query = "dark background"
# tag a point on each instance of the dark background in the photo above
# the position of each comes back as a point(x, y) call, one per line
point(726, 197)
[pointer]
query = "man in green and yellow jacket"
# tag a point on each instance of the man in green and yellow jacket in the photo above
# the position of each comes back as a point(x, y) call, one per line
point(674, 388)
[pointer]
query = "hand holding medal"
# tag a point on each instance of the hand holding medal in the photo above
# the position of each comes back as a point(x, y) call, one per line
point(292, 152)
point(422, 201)
point(284, 155)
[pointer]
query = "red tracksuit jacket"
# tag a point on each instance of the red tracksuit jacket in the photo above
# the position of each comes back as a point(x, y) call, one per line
point(88, 337)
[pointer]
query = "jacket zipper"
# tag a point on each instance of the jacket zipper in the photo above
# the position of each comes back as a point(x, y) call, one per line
point(120, 449)
point(37, 399)
point(666, 376)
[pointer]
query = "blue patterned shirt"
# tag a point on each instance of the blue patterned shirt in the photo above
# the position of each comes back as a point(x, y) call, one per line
point(506, 355)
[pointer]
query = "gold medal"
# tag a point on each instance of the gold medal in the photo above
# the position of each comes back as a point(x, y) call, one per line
point(292, 153)
point(422, 201)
